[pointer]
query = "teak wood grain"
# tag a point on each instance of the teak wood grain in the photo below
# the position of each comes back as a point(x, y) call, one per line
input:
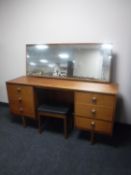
point(94, 103)
point(66, 84)
point(99, 126)
point(95, 99)
point(94, 112)
point(21, 100)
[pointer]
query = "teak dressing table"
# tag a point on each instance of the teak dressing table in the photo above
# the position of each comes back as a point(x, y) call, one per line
point(94, 103)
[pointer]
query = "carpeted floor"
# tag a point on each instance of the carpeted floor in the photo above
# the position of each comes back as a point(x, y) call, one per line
point(23, 151)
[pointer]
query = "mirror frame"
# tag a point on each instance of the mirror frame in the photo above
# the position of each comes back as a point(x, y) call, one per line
point(72, 78)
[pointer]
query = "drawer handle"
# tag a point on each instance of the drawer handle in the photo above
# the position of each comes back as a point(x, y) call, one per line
point(21, 109)
point(93, 124)
point(93, 111)
point(20, 99)
point(18, 89)
point(94, 99)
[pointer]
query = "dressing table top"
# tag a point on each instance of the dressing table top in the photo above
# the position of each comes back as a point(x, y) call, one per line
point(74, 85)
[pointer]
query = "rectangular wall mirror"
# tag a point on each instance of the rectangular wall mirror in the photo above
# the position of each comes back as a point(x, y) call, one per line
point(72, 61)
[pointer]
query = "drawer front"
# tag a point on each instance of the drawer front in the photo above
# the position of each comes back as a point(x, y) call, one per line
point(17, 108)
point(18, 91)
point(21, 100)
point(94, 112)
point(22, 109)
point(89, 124)
point(95, 99)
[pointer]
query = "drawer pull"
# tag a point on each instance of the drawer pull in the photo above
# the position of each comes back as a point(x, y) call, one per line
point(21, 109)
point(94, 99)
point(18, 89)
point(93, 124)
point(20, 99)
point(93, 111)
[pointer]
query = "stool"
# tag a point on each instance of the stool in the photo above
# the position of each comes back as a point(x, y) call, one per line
point(53, 111)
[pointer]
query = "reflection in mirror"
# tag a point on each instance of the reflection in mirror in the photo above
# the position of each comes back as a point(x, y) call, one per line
point(77, 61)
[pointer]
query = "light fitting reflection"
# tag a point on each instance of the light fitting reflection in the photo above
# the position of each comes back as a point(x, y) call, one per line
point(44, 61)
point(51, 65)
point(28, 56)
point(110, 57)
point(63, 55)
point(42, 46)
point(32, 64)
point(107, 46)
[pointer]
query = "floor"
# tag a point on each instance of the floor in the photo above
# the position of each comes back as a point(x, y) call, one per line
point(25, 151)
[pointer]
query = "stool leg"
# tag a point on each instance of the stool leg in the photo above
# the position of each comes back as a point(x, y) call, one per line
point(65, 127)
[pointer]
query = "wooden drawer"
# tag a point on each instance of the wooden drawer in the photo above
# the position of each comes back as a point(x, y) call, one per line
point(21, 100)
point(95, 99)
point(17, 91)
point(99, 126)
point(94, 112)
point(22, 109)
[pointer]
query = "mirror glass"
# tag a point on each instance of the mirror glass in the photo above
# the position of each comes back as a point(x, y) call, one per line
point(73, 61)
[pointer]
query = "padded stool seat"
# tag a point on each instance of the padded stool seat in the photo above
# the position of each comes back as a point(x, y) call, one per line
point(56, 111)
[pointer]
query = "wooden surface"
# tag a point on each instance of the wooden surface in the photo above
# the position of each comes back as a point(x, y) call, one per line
point(95, 112)
point(94, 103)
point(95, 99)
point(99, 126)
point(67, 84)
point(21, 100)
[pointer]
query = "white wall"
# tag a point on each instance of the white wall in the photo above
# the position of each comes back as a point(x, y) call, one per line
point(42, 21)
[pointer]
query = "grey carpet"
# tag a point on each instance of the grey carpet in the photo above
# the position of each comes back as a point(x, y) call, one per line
point(23, 151)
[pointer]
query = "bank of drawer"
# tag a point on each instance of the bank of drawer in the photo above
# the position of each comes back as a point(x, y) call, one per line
point(95, 98)
point(95, 112)
point(98, 126)
point(21, 100)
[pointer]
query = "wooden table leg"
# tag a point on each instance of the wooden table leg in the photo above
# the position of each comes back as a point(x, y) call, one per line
point(92, 132)
point(24, 121)
point(39, 124)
